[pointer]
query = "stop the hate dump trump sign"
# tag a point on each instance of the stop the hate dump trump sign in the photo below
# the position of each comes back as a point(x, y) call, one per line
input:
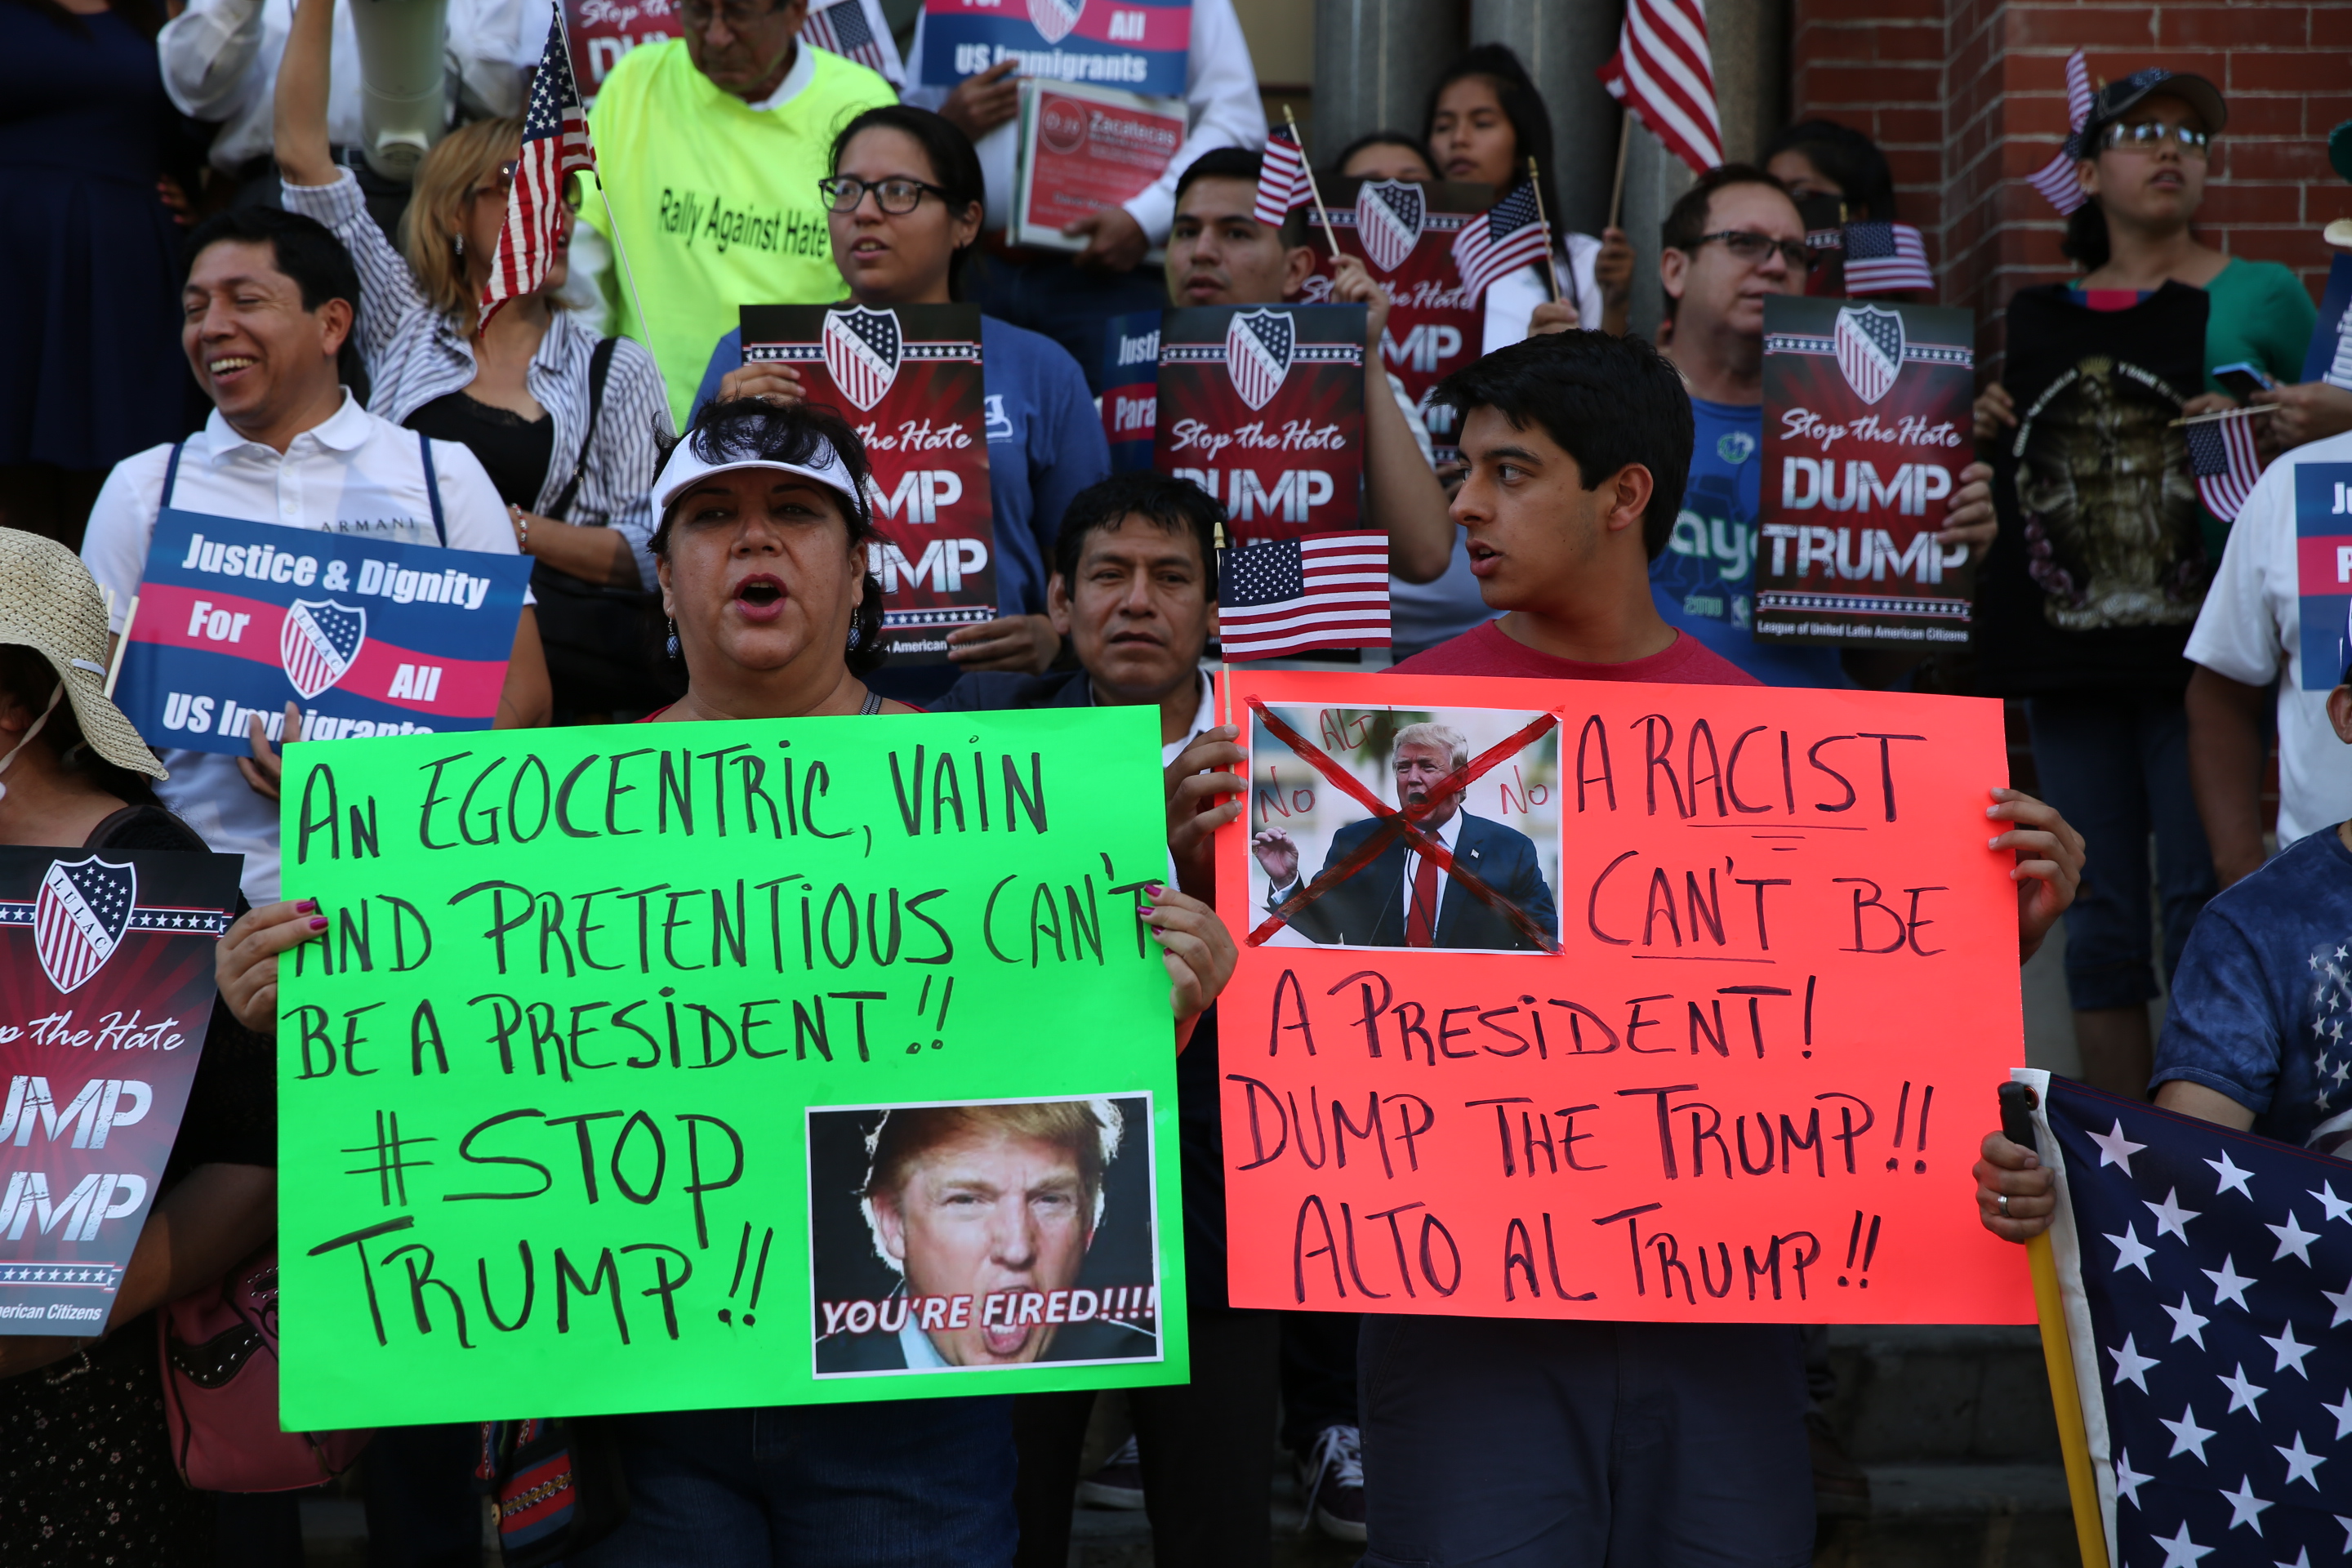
point(679, 1066)
point(1575, 1000)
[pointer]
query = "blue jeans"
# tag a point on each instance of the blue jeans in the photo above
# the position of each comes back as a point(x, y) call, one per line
point(2116, 766)
point(918, 1483)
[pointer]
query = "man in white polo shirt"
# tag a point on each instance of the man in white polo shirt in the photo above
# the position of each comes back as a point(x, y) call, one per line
point(268, 308)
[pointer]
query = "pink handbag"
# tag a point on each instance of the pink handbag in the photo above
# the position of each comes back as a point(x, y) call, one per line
point(219, 1346)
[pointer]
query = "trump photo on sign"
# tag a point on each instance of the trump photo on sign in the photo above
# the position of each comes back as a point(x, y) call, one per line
point(1411, 828)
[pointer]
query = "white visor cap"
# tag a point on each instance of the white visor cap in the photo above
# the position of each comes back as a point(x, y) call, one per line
point(687, 468)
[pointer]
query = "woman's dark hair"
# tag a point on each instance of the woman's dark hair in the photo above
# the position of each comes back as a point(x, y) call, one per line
point(29, 678)
point(1420, 148)
point(306, 251)
point(1172, 505)
point(955, 164)
point(143, 14)
point(1846, 159)
point(806, 434)
point(2086, 240)
point(1607, 401)
point(1523, 106)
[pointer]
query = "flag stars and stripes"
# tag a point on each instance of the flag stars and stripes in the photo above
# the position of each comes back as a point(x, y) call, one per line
point(2290, 1352)
point(2231, 1178)
point(2244, 1395)
point(2186, 1323)
point(2171, 1219)
point(2337, 1208)
point(2131, 1366)
point(554, 145)
point(2302, 1560)
point(2293, 1238)
point(2115, 1149)
point(2229, 1285)
point(2342, 1302)
point(2131, 1252)
point(2188, 1437)
point(2302, 1465)
point(2245, 1508)
point(2181, 1552)
point(2342, 1411)
point(2127, 1480)
point(1282, 180)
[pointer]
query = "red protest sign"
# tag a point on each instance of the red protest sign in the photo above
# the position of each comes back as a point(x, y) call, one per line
point(106, 992)
point(1404, 236)
point(1263, 406)
point(1562, 999)
point(602, 31)
point(1866, 419)
point(908, 377)
point(1083, 148)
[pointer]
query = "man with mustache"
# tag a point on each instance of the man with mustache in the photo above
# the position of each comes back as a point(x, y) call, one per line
point(1400, 899)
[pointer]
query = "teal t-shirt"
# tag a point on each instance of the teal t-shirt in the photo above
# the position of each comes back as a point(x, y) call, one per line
point(2260, 315)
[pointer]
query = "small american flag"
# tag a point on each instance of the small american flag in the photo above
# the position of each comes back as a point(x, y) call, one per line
point(1882, 257)
point(2222, 455)
point(1665, 76)
point(554, 145)
point(2056, 180)
point(842, 29)
point(2214, 1376)
point(1327, 590)
point(1508, 238)
point(1282, 182)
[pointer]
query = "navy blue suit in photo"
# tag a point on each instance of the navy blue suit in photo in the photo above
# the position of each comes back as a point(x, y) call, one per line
point(1367, 910)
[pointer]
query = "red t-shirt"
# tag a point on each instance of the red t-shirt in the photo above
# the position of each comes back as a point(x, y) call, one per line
point(1486, 652)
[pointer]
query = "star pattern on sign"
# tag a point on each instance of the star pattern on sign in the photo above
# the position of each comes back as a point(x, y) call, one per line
point(2243, 1392)
point(2186, 1323)
point(2229, 1285)
point(2131, 1366)
point(2245, 1508)
point(2300, 1463)
point(2233, 1179)
point(2290, 1354)
point(2291, 1238)
point(2171, 1219)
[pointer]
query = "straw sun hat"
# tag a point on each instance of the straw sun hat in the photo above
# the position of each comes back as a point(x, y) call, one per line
point(50, 603)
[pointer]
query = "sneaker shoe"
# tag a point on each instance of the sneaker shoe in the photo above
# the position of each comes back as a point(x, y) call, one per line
point(1331, 1475)
point(1841, 1489)
point(1120, 1483)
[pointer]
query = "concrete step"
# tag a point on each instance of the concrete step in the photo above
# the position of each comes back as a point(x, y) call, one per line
point(1955, 1516)
point(1934, 1395)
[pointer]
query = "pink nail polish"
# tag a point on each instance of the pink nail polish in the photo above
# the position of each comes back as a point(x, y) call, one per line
point(319, 922)
point(308, 907)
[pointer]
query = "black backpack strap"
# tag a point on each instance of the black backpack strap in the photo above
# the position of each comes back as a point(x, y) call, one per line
point(433, 489)
point(170, 475)
point(600, 366)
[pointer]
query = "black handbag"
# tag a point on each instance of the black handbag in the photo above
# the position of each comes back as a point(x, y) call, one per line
point(602, 643)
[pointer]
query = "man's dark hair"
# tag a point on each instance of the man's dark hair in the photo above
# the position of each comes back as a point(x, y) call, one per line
point(1172, 505)
point(1523, 106)
point(955, 165)
point(1606, 401)
point(1847, 159)
point(1686, 220)
point(1221, 164)
point(1418, 148)
point(804, 433)
point(306, 251)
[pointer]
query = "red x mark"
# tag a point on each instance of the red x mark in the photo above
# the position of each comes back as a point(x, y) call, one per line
point(1404, 823)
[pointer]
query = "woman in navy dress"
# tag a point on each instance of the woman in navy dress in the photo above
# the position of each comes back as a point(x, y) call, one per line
point(89, 358)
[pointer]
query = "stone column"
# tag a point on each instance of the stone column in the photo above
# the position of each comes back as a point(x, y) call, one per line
point(1750, 42)
point(1375, 61)
point(1653, 179)
point(1564, 43)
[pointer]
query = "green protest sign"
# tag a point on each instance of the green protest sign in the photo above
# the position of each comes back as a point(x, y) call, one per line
point(672, 1066)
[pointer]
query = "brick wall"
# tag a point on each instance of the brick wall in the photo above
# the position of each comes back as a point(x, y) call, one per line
point(1968, 98)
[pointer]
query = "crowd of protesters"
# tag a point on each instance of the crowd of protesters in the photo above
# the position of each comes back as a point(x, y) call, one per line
point(199, 176)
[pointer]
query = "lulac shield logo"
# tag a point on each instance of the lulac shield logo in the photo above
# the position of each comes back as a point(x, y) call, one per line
point(318, 643)
point(861, 353)
point(1257, 353)
point(1054, 18)
point(1388, 221)
point(80, 915)
point(1869, 341)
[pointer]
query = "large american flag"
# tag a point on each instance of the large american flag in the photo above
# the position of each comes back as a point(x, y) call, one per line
point(554, 144)
point(2221, 456)
point(2055, 179)
point(1282, 182)
point(2207, 1281)
point(1509, 235)
point(1664, 77)
point(1881, 258)
point(1327, 590)
point(843, 29)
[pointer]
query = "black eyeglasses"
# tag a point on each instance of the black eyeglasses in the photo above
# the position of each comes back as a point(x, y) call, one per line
point(1751, 249)
point(2150, 134)
point(572, 193)
point(896, 198)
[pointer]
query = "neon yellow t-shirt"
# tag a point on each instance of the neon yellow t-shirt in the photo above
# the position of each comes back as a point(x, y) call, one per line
point(716, 201)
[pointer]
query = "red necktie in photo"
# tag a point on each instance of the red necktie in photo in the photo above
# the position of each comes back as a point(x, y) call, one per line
point(1423, 918)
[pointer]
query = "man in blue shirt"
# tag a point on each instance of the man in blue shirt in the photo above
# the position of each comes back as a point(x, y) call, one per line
point(1732, 241)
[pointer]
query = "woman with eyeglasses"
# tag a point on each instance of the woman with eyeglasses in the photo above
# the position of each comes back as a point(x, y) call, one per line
point(905, 202)
point(564, 421)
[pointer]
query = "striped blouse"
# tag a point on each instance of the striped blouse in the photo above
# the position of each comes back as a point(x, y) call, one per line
point(415, 355)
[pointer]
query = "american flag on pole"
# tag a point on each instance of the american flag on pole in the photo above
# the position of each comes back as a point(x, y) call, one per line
point(843, 29)
point(2204, 1282)
point(1664, 77)
point(1508, 237)
point(2056, 180)
point(554, 145)
point(1883, 257)
point(1282, 182)
point(1325, 590)
point(2222, 455)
